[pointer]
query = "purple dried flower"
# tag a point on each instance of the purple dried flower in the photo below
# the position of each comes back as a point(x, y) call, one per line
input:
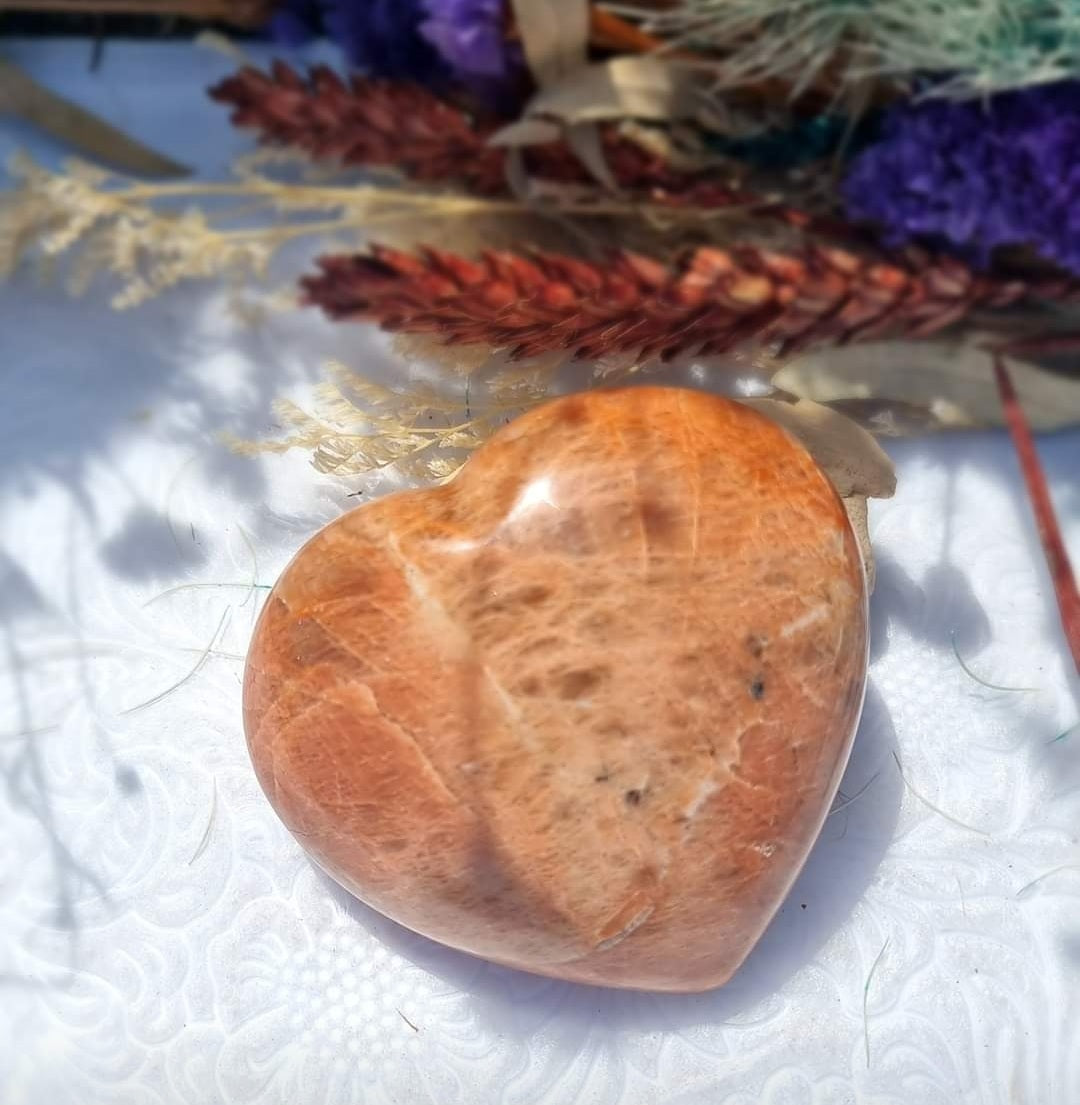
point(296, 22)
point(470, 37)
point(975, 175)
point(432, 42)
point(381, 37)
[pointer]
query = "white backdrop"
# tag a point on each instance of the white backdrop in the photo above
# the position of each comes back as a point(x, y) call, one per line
point(163, 939)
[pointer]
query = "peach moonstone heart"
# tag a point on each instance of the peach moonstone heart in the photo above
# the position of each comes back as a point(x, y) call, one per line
point(583, 710)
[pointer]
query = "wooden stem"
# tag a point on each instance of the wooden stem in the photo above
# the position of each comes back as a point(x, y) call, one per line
point(1057, 558)
point(240, 13)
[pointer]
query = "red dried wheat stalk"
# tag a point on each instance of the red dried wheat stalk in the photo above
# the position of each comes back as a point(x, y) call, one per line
point(713, 300)
point(363, 122)
point(396, 124)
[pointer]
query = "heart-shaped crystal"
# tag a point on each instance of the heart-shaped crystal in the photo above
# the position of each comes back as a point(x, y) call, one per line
point(583, 709)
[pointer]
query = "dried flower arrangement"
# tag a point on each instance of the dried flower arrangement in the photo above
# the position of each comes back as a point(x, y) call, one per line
point(616, 186)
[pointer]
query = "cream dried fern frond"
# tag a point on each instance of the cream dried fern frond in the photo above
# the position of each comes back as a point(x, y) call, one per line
point(359, 427)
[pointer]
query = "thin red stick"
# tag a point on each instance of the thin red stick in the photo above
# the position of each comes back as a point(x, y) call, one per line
point(1057, 559)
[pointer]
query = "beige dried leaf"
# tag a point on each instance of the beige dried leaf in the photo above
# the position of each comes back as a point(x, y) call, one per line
point(526, 132)
point(622, 88)
point(852, 459)
point(897, 389)
point(218, 43)
point(554, 35)
point(859, 516)
point(585, 141)
point(680, 147)
point(78, 128)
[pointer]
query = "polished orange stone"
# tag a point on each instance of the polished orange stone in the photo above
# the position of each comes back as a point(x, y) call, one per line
point(582, 710)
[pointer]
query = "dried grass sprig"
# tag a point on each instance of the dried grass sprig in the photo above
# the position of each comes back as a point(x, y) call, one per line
point(359, 427)
point(115, 231)
point(153, 236)
point(712, 301)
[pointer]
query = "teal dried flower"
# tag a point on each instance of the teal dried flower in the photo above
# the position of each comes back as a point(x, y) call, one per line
point(969, 46)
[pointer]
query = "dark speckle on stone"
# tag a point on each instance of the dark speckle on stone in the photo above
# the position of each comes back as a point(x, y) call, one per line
point(633, 797)
point(757, 689)
point(579, 684)
point(657, 519)
point(602, 776)
point(756, 644)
